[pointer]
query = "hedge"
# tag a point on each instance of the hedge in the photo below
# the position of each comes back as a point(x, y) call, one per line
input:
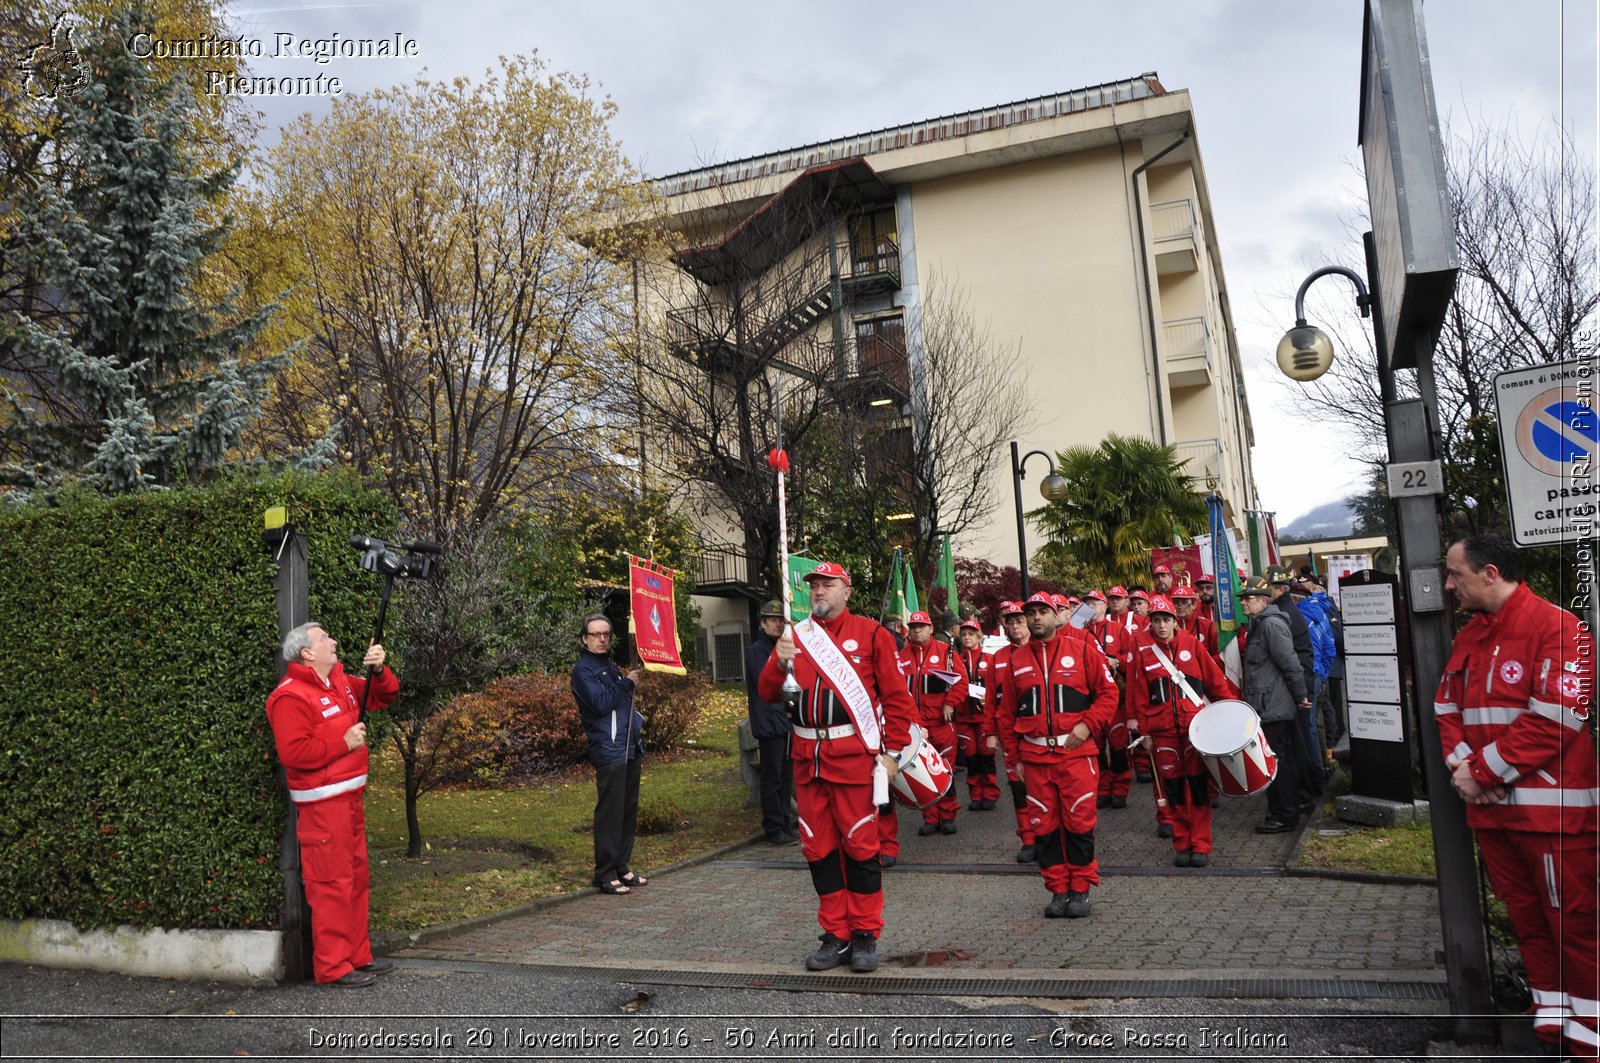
point(138, 643)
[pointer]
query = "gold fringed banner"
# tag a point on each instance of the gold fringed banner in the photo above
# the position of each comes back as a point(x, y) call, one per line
point(653, 618)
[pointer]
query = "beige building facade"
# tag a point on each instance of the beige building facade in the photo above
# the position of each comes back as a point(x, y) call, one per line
point(1077, 226)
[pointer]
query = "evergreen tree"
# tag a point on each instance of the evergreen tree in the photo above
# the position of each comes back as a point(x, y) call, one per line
point(133, 379)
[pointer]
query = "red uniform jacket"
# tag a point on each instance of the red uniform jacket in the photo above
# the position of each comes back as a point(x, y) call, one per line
point(929, 691)
point(870, 649)
point(1513, 703)
point(1204, 631)
point(1048, 689)
point(1158, 703)
point(309, 719)
point(976, 664)
point(999, 665)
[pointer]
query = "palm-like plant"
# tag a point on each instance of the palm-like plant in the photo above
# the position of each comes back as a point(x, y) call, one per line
point(1125, 497)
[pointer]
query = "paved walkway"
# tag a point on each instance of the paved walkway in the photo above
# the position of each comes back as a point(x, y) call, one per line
point(962, 905)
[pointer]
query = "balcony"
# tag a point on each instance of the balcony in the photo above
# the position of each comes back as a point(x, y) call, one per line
point(877, 372)
point(1202, 460)
point(726, 572)
point(1175, 236)
point(872, 270)
point(1186, 347)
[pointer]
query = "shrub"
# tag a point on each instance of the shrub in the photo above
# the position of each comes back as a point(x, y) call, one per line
point(659, 816)
point(672, 705)
point(138, 643)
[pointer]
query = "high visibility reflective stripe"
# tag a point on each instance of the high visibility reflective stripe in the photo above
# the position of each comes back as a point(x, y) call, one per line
point(331, 790)
point(1462, 751)
point(1492, 714)
point(1584, 1008)
point(1574, 1030)
point(1555, 712)
point(1445, 708)
point(1498, 764)
point(1552, 798)
point(872, 817)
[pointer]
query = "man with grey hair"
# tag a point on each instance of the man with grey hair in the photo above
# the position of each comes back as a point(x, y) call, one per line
point(322, 743)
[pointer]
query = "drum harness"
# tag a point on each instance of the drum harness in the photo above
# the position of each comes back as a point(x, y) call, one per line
point(1183, 683)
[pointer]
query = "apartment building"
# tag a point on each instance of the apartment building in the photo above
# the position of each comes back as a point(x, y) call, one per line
point(1078, 226)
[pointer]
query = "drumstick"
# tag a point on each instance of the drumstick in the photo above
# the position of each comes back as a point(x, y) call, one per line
point(1155, 775)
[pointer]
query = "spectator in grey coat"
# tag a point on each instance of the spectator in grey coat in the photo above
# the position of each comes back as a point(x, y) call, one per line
point(1276, 688)
point(769, 726)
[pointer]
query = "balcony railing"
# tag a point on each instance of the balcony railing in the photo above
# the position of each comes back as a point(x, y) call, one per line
point(1201, 459)
point(725, 571)
point(1186, 346)
point(1172, 219)
point(870, 268)
point(879, 365)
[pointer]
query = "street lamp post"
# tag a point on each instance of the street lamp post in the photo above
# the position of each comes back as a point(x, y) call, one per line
point(1052, 487)
point(1305, 353)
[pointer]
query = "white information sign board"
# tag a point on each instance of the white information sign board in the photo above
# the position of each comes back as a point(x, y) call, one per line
point(1375, 679)
point(1367, 605)
point(1370, 638)
point(1379, 723)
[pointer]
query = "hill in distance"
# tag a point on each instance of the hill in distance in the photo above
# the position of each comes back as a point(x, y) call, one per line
point(1331, 520)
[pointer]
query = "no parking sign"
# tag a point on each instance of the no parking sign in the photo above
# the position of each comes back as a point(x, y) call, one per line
point(1548, 442)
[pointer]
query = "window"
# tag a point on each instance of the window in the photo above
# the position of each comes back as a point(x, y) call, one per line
point(730, 658)
point(874, 246)
point(881, 348)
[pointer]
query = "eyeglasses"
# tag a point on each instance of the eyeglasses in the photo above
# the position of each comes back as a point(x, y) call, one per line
point(597, 634)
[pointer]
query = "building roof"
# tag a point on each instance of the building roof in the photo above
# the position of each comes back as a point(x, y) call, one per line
point(965, 123)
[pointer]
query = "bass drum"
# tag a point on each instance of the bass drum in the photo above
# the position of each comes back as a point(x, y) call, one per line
point(1227, 735)
point(923, 777)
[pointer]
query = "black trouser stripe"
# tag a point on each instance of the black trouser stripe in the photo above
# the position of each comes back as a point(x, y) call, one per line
point(826, 874)
point(863, 876)
point(1048, 849)
point(1080, 848)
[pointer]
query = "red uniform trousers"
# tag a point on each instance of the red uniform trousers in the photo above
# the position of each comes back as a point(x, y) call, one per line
point(1187, 786)
point(333, 865)
point(974, 747)
point(889, 830)
point(1548, 884)
point(839, 838)
point(1019, 803)
point(1116, 773)
point(942, 736)
point(1061, 803)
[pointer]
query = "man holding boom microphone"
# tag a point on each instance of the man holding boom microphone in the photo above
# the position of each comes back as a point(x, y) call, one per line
point(315, 717)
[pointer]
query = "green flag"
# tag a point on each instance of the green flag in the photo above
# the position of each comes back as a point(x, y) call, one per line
point(800, 567)
point(947, 579)
point(911, 604)
point(894, 599)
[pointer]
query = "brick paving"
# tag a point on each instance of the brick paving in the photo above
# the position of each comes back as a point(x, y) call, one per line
point(962, 903)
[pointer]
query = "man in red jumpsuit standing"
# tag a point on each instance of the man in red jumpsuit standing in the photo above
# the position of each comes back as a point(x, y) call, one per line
point(1116, 773)
point(1055, 698)
point(971, 736)
point(1016, 630)
point(1513, 709)
point(854, 705)
point(322, 743)
point(927, 665)
point(1169, 676)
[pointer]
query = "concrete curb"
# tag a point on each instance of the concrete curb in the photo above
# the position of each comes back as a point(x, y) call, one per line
point(384, 941)
point(248, 957)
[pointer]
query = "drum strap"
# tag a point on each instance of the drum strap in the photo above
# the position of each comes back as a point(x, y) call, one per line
point(1177, 676)
point(841, 675)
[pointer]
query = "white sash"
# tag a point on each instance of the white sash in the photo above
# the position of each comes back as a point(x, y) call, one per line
point(841, 675)
point(1177, 676)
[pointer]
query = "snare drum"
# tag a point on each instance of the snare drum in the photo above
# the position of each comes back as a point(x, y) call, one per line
point(923, 777)
point(1228, 736)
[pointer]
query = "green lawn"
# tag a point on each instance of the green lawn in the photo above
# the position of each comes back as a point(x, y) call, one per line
point(1403, 850)
point(492, 849)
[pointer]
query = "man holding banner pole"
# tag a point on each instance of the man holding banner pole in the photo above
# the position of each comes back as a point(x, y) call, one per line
point(854, 704)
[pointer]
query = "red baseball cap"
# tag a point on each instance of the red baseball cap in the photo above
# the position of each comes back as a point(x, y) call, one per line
point(971, 622)
point(1140, 595)
point(1205, 577)
point(1060, 601)
point(1160, 604)
point(1182, 590)
point(1159, 569)
point(1119, 591)
point(1096, 595)
point(919, 618)
point(1010, 608)
point(1040, 598)
point(829, 570)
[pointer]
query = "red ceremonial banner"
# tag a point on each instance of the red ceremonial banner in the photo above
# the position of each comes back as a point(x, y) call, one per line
point(1183, 560)
point(652, 617)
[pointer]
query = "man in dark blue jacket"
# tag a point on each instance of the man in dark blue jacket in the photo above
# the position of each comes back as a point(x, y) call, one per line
point(616, 749)
point(769, 725)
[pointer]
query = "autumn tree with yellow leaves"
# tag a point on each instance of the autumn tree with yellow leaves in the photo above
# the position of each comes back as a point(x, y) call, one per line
point(464, 296)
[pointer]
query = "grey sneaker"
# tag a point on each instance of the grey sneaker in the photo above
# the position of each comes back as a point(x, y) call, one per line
point(1057, 908)
point(863, 952)
point(834, 951)
point(1077, 905)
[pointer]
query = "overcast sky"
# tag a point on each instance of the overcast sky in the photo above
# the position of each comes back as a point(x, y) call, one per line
point(1274, 87)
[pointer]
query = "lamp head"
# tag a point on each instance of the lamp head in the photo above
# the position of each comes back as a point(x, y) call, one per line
point(1054, 488)
point(1305, 352)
